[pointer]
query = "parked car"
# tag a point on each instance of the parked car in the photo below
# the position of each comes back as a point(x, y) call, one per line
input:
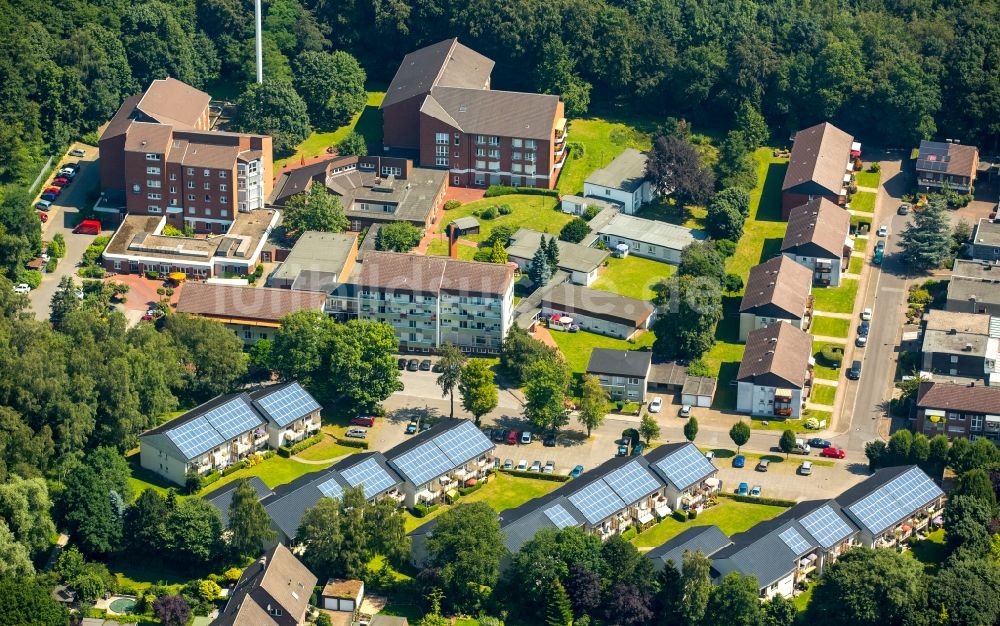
point(904, 209)
point(638, 449)
point(411, 428)
point(363, 420)
point(43, 205)
point(488, 432)
point(762, 465)
point(536, 466)
point(60, 181)
point(656, 404)
point(43, 216)
point(806, 468)
point(437, 367)
point(622, 450)
point(817, 442)
point(522, 465)
point(22, 288)
point(883, 230)
point(855, 372)
point(864, 327)
point(412, 365)
point(755, 491)
point(500, 435)
point(550, 466)
point(743, 489)
point(861, 341)
point(739, 461)
point(68, 172)
point(801, 447)
point(78, 152)
point(878, 256)
point(508, 464)
point(512, 437)
point(576, 471)
point(834, 453)
point(357, 433)
point(401, 364)
point(549, 441)
point(685, 411)
point(866, 314)
point(146, 318)
point(526, 437)
point(50, 195)
point(425, 365)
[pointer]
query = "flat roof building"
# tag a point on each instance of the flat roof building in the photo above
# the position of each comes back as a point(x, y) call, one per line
point(317, 262)
point(651, 239)
point(581, 262)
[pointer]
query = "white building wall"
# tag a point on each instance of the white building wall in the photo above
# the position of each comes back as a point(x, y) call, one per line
point(159, 461)
point(759, 400)
point(599, 326)
point(644, 250)
point(630, 201)
point(750, 322)
point(810, 262)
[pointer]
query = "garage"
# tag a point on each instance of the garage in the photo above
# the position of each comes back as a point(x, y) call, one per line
point(698, 391)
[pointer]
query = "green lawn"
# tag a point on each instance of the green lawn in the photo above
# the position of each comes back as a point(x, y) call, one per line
point(439, 247)
point(776, 423)
point(868, 179)
point(836, 299)
point(368, 122)
point(576, 347)
point(529, 211)
point(801, 601)
point(602, 141)
point(931, 551)
point(860, 244)
point(729, 515)
point(863, 201)
point(823, 394)
point(820, 369)
point(830, 326)
point(633, 276)
point(328, 449)
point(857, 265)
point(502, 492)
point(820, 415)
point(140, 572)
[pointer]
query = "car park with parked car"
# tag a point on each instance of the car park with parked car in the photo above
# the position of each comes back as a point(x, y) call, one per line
point(412, 365)
point(806, 468)
point(536, 466)
point(855, 372)
point(522, 465)
point(401, 364)
point(818, 442)
point(357, 433)
point(508, 464)
point(43, 205)
point(685, 411)
point(22, 288)
point(363, 420)
point(425, 365)
point(512, 437)
point(550, 466)
point(411, 428)
point(762, 465)
point(78, 152)
point(755, 491)
point(656, 404)
point(526, 437)
point(743, 489)
point(739, 461)
point(833, 453)
point(576, 471)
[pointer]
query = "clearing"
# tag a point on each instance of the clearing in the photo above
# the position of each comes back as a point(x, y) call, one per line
point(633, 276)
point(537, 212)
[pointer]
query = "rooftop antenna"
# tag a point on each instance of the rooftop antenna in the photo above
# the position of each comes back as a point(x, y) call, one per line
point(260, 53)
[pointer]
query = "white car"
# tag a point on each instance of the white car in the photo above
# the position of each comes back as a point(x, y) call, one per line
point(22, 288)
point(883, 230)
point(685, 411)
point(536, 466)
point(710, 455)
point(866, 315)
point(656, 404)
point(522, 465)
point(78, 152)
point(526, 437)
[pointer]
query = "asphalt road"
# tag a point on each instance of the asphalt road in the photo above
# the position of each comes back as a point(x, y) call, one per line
point(62, 218)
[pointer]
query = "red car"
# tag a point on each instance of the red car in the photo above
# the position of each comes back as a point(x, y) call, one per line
point(363, 420)
point(147, 317)
point(513, 437)
point(44, 217)
point(62, 181)
point(53, 190)
point(833, 453)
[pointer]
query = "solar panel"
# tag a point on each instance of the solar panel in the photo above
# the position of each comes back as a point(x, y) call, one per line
point(895, 500)
point(233, 418)
point(685, 466)
point(195, 437)
point(463, 443)
point(560, 516)
point(795, 542)
point(597, 501)
point(423, 463)
point(632, 482)
point(913, 490)
point(369, 474)
point(330, 488)
point(826, 526)
point(288, 404)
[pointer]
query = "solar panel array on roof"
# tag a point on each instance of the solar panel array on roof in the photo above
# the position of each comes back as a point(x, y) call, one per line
point(794, 540)
point(445, 451)
point(462, 443)
point(685, 467)
point(370, 475)
point(632, 482)
point(895, 500)
point(233, 418)
point(195, 437)
point(331, 488)
point(934, 158)
point(423, 463)
point(559, 516)
point(826, 526)
point(597, 501)
point(288, 404)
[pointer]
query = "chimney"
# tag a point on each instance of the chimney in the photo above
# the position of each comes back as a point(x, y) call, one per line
point(967, 348)
point(452, 241)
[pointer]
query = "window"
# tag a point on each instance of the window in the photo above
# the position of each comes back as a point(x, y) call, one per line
point(153, 196)
point(516, 143)
point(190, 171)
point(152, 157)
point(206, 186)
point(515, 167)
point(494, 141)
point(441, 138)
point(494, 154)
point(190, 197)
point(223, 187)
point(480, 152)
point(155, 184)
point(222, 174)
point(190, 184)
point(206, 172)
point(190, 210)
point(118, 265)
point(480, 138)
point(223, 199)
point(153, 170)
point(388, 170)
point(457, 154)
point(173, 176)
point(441, 151)
point(607, 192)
point(247, 334)
point(480, 165)
point(173, 189)
point(441, 161)
point(529, 144)
point(480, 180)
point(977, 422)
point(456, 181)
point(208, 212)
point(153, 208)
point(633, 381)
point(457, 139)
point(515, 156)
point(224, 213)
point(529, 157)
point(208, 198)
point(954, 359)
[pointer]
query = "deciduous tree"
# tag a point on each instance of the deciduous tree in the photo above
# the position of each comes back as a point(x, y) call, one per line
point(735, 601)
point(315, 209)
point(397, 237)
point(273, 108)
point(545, 394)
point(477, 389)
point(353, 144)
point(787, 442)
point(593, 405)
point(332, 84)
point(450, 362)
point(691, 429)
point(649, 428)
point(466, 547)
point(695, 588)
point(249, 524)
point(676, 168)
point(575, 230)
point(740, 434)
point(172, 610)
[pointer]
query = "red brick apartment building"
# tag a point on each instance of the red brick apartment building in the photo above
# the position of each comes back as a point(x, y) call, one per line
point(820, 167)
point(440, 106)
point(158, 157)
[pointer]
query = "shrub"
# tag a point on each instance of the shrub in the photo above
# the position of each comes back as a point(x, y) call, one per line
point(210, 478)
point(464, 491)
point(51, 264)
point(33, 278)
point(91, 271)
point(152, 275)
point(591, 212)
point(352, 443)
point(192, 484)
point(559, 478)
point(621, 136)
point(832, 354)
point(172, 231)
point(489, 213)
point(168, 291)
point(232, 574)
point(245, 463)
point(752, 500)
point(504, 209)
point(630, 533)
point(725, 247)
point(483, 255)
point(161, 291)
point(698, 367)
point(452, 205)
point(57, 247)
point(506, 190)
point(576, 149)
point(423, 510)
point(875, 167)
point(288, 451)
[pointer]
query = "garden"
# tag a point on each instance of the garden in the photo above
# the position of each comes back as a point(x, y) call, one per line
point(595, 142)
point(829, 357)
point(576, 347)
point(836, 299)
point(535, 211)
point(830, 326)
point(863, 201)
point(633, 276)
point(730, 516)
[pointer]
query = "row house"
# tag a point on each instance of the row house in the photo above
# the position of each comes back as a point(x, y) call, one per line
point(777, 290)
point(820, 166)
point(974, 287)
point(954, 410)
point(775, 375)
point(439, 105)
point(228, 429)
point(622, 373)
point(965, 345)
point(818, 238)
point(946, 164)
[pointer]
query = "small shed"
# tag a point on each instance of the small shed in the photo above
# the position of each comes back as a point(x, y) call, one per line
point(698, 391)
point(467, 225)
point(342, 595)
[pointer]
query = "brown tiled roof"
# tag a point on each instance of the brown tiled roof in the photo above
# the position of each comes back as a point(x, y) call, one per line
point(120, 123)
point(820, 154)
point(429, 275)
point(604, 305)
point(488, 112)
point(209, 155)
point(779, 282)
point(169, 101)
point(345, 589)
point(820, 223)
point(949, 396)
point(777, 354)
point(234, 301)
point(949, 158)
point(147, 137)
point(446, 63)
point(282, 579)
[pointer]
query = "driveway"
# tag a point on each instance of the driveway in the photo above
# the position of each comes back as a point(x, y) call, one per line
point(62, 218)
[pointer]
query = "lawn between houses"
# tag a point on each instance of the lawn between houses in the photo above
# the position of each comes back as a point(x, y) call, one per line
point(576, 347)
point(836, 299)
point(729, 515)
point(368, 123)
point(633, 276)
point(602, 141)
point(537, 212)
point(830, 326)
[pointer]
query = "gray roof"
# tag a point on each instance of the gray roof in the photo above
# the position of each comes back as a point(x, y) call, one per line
point(768, 558)
point(576, 299)
point(573, 257)
point(979, 270)
point(619, 362)
point(699, 386)
point(598, 222)
point(600, 203)
point(968, 289)
point(446, 63)
point(466, 223)
point(705, 539)
point(652, 232)
point(222, 498)
point(626, 172)
point(956, 333)
point(986, 233)
point(316, 251)
point(890, 496)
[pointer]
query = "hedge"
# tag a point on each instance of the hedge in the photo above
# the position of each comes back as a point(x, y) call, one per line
point(422, 510)
point(559, 478)
point(464, 491)
point(352, 443)
point(506, 190)
point(210, 478)
point(288, 451)
point(235, 467)
point(752, 500)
